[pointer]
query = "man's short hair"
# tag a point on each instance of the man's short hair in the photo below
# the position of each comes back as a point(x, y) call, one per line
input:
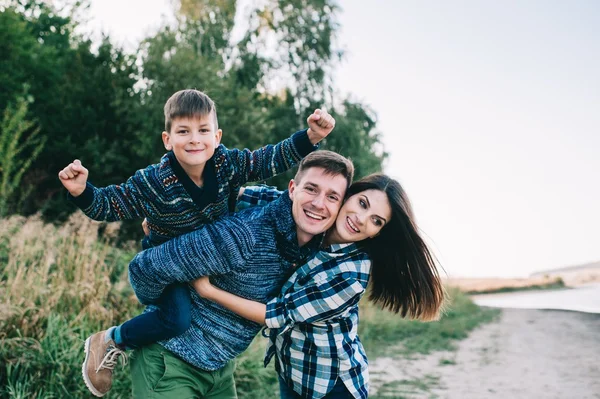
point(332, 162)
point(189, 103)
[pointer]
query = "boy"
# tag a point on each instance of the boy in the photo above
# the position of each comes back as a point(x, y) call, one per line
point(195, 183)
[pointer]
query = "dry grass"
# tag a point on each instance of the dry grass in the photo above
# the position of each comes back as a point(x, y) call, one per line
point(57, 269)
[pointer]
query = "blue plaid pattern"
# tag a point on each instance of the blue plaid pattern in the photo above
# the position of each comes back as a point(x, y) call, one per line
point(259, 195)
point(312, 324)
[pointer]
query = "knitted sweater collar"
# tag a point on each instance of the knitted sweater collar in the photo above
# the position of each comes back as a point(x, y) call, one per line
point(202, 196)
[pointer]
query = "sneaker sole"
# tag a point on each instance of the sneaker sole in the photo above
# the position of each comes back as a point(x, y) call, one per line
point(86, 379)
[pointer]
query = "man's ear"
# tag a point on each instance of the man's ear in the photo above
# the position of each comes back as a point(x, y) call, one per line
point(218, 136)
point(166, 138)
point(291, 188)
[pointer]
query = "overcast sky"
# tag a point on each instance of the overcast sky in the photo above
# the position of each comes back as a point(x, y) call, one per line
point(490, 112)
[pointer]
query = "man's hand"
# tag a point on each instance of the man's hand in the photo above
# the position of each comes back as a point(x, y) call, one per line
point(203, 287)
point(320, 124)
point(74, 178)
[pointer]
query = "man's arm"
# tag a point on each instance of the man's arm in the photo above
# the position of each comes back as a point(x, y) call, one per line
point(315, 302)
point(250, 310)
point(217, 248)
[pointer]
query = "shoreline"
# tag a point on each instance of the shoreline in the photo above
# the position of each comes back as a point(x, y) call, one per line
point(585, 298)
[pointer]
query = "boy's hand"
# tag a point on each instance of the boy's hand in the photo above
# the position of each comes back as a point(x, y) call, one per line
point(320, 124)
point(74, 177)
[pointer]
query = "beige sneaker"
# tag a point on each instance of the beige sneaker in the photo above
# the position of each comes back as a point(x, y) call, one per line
point(101, 357)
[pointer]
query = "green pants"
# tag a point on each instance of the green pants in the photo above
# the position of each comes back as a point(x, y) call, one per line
point(157, 373)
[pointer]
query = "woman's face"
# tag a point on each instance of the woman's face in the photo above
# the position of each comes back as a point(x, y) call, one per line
point(362, 216)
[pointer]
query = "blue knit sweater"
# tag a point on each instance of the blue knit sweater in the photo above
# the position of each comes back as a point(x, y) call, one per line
point(249, 254)
point(172, 203)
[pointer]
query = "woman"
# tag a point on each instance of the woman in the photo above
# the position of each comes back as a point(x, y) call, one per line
point(312, 323)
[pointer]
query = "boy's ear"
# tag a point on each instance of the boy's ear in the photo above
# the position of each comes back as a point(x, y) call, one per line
point(218, 135)
point(166, 138)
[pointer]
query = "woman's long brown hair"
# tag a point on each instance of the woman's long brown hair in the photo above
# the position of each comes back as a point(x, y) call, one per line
point(404, 276)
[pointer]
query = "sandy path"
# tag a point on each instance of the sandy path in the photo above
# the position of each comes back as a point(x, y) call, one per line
point(526, 354)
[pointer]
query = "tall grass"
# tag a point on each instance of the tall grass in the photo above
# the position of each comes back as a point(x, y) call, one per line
point(60, 284)
point(57, 286)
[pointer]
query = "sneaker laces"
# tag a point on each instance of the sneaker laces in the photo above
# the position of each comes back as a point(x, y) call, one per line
point(113, 354)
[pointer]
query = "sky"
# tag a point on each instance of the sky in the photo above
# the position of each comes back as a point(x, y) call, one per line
point(490, 113)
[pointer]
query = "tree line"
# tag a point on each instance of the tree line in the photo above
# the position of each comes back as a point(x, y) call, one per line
point(64, 97)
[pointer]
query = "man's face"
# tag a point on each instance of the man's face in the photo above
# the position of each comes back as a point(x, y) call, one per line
point(316, 198)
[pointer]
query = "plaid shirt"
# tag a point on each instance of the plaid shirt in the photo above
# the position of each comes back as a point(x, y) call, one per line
point(312, 324)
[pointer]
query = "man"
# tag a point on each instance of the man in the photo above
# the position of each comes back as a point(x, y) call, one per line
point(250, 254)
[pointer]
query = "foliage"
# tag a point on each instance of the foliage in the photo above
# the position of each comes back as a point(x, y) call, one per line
point(104, 106)
point(18, 136)
point(81, 97)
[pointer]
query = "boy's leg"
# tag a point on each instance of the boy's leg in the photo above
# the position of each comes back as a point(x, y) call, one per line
point(158, 374)
point(172, 318)
point(101, 357)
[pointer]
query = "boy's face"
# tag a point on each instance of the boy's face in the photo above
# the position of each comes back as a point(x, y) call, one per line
point(193, 140)
point(316, 201)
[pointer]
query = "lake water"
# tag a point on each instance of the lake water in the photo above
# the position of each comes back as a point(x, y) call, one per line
point(582, 299)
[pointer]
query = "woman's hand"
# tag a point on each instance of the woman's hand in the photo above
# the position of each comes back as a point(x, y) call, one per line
point(203, 287)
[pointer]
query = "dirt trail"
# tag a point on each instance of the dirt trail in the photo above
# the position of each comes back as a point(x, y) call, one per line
point(525, 354)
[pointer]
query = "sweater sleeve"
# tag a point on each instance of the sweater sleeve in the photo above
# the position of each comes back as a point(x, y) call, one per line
point(270, 160)
point(116, 202)
point(217, 248)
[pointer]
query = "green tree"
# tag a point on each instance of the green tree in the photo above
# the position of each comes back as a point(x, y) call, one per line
point(82, 97)
point(20, 145)
point(105, 106)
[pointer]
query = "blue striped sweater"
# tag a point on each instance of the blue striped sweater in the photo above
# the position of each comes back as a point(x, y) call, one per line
point(171, 202)
point(250, 254)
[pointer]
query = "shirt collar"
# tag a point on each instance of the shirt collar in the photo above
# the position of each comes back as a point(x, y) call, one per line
point(344, 248)
point(201, 196)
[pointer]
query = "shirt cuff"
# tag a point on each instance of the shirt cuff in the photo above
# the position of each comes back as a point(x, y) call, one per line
point(85, 199)
point(275, 315)
point(302, 143)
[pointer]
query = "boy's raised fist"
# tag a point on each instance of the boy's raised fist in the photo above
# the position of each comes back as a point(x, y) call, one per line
point(320, 124)
point(74, 177)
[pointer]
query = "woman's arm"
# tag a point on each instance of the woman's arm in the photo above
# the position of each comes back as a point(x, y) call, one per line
point(250, 310)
